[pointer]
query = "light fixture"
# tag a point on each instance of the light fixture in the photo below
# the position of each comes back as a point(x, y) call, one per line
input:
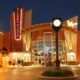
point(57, 22)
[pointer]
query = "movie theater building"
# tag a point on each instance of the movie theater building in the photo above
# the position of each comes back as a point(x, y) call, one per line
point(34, 43)
point(20, 17)
point(39, 40)
point(12, 40)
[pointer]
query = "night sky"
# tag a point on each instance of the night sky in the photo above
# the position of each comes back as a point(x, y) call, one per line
point(42, 10)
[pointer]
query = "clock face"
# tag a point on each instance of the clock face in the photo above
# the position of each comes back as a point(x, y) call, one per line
point(57, 23)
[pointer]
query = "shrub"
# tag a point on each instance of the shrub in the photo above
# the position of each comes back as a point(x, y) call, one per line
point(58, 73)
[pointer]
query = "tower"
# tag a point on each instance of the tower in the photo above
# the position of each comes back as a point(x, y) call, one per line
point(20, 18)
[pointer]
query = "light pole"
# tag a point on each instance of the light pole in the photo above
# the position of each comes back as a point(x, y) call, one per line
point(56, 26)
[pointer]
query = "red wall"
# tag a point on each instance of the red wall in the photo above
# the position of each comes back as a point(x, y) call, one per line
point(16, 45)
point(6, 40)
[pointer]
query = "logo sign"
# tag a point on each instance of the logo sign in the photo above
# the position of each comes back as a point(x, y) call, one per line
point(17, 22)
point(71, 23)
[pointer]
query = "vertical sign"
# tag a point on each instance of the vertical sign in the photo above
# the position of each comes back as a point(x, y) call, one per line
point(17, 22)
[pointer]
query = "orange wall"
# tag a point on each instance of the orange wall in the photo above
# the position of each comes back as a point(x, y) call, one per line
point(78, 46)
point(36, 34)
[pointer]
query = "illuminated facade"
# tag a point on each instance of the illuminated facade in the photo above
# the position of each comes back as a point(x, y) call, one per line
point(19, 18)
point(39, 39)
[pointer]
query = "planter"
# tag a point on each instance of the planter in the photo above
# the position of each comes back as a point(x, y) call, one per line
point(58, 78)
point(58, 74)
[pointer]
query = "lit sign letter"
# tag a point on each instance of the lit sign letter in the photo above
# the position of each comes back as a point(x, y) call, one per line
point(71, 23)
point(17, 22)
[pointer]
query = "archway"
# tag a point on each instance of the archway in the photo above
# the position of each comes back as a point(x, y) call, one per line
point(37, 33)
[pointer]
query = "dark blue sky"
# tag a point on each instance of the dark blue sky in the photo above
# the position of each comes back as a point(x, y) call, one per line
point(42, 10)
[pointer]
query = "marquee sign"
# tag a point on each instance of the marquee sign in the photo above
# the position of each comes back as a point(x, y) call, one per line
point(17, 22)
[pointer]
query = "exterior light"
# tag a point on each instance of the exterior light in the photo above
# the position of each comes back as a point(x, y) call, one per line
point(56, 23)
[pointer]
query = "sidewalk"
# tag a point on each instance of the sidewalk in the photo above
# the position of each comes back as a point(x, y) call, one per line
point(20, 66)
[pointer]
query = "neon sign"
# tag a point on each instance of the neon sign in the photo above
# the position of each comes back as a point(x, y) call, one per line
point(17, 22)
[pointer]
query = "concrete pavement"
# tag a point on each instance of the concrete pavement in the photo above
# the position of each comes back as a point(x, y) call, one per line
point(29, 72)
